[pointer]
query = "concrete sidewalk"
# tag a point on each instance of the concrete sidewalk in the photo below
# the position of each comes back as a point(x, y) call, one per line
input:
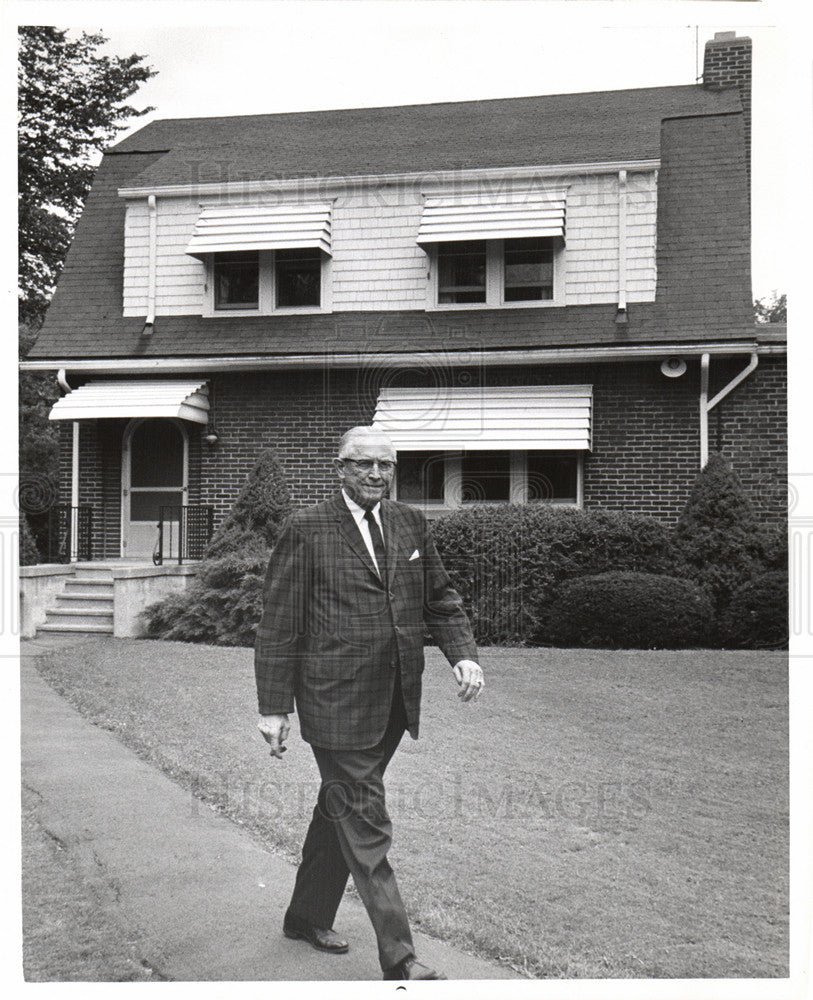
point(203, 900)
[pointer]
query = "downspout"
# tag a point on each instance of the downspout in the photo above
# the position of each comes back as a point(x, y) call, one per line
point(152, 266)
point(707, 405)
point(62, 379)
point(622, 243)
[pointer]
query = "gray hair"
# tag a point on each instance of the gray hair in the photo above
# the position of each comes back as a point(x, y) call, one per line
point(349, 437)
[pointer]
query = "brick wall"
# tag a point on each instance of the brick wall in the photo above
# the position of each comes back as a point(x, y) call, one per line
point(646, 444)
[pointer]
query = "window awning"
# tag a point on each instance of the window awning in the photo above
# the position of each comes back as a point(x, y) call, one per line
point(446, 219)
point(283, 227)
point(557, 417)
point(187, 399)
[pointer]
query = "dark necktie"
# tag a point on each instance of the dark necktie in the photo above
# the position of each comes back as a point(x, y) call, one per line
point(378, 544)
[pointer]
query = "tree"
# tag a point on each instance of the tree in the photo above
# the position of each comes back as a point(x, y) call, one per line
point(771, 310)
point(72, 100)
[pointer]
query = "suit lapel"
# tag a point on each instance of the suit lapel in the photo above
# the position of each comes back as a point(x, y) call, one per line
point(352, 535)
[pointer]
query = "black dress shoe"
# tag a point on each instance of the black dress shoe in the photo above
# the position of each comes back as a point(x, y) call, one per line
point(411, 968)
point(322, 938)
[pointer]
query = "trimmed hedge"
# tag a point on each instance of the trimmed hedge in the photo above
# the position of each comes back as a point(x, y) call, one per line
point(29, 553)
point(757, 615)
point(509, 562)
point(630, 611)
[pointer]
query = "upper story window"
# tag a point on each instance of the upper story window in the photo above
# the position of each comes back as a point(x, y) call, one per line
point(265, 259)
point(528, 269)
point(298, 277)
point(462, 271)
point(494, 254)
point(496, 272)
point(236, 280)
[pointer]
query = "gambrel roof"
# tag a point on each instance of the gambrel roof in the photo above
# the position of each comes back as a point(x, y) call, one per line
point(703, 254)
point(511, 132)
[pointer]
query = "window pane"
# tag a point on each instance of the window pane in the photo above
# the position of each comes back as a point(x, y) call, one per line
point(528, 269)
point(299, 277)
point(237, 280)
point(145, 506)
point(486, 475)
point(156, 454)
point(462, 271)
point(552, 476)
point(420, 476)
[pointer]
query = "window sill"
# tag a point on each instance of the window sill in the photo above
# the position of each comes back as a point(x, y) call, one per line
point(469, 306)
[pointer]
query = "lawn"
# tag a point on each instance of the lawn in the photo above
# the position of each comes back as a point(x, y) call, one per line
point(596, 814)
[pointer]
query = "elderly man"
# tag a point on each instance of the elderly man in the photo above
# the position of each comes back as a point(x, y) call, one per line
point(352, 586)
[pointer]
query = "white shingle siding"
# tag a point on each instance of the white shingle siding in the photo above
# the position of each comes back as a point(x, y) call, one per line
point(377, 263)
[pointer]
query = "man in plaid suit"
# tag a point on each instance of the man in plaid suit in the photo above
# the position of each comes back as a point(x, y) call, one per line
point(352, 586)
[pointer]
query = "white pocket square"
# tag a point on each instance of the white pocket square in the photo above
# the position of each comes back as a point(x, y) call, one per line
point(415, 555)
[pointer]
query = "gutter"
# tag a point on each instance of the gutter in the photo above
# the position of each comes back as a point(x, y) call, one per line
point(425, 179)
point(401, 359)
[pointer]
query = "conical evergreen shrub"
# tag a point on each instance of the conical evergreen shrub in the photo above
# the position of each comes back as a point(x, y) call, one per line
point(224, 604)
point(718, 533)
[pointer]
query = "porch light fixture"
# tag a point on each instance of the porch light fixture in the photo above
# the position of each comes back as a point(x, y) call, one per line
point(673, 367)
point(211, 438)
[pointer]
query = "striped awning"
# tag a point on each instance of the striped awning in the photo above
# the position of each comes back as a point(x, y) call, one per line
point(447, 220)
point(556, 417)
point(283, 227)
point(184, 398)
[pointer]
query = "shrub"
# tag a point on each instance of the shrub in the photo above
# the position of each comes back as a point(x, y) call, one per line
point(757, 615)
point(509, 562)
point(630, 610)
point(717, 534)
point(224, 603)
point(29, 553)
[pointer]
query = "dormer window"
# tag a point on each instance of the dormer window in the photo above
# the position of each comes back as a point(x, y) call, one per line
point(266, 259)
point(298, 277)
point(528, 270)
point(236, 280)
point(494, 254)
point(462, 271)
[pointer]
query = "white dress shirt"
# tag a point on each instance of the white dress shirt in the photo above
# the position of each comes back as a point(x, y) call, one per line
point(358, 515)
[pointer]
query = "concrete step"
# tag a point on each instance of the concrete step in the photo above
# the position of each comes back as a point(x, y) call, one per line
point(79, 616)
point(87, 572)
point(56, 627)
point(94, 594)
point(89, 583)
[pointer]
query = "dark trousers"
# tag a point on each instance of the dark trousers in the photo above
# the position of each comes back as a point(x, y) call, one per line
point(350, 833)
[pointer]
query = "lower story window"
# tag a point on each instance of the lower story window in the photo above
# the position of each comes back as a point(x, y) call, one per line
point(451, 479)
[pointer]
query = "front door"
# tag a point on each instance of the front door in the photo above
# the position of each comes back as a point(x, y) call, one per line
point(154, 474)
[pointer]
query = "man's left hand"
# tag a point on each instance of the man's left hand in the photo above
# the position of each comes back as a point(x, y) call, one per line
point(469, 676)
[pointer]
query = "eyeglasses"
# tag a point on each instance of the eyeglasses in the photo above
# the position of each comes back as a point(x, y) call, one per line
point(366, 464)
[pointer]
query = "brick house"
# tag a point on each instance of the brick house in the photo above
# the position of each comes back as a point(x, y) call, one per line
point(542, 299)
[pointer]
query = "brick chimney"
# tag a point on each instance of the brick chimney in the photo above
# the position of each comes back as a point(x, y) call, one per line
point(727, 63)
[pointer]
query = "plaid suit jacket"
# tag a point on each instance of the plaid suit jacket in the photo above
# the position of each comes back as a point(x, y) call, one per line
point(332, 632)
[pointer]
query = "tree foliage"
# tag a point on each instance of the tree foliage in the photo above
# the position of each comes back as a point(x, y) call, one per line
point(72, 100)
point(771, 310)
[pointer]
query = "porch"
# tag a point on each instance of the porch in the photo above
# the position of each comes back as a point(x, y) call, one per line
point(105, 597)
